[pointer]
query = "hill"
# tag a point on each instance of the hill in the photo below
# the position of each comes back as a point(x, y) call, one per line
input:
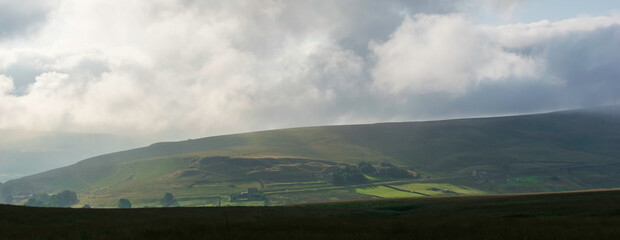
point(568, 150)
point(24, 153)
point(568, 215)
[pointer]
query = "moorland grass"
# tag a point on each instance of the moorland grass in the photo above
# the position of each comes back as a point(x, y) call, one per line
point(574, 215)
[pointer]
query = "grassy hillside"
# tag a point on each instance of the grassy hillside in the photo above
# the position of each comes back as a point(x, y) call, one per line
point(558, 151)
point(573, 215)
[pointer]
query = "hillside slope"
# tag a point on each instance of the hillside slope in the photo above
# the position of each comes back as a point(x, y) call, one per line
point(578, 149)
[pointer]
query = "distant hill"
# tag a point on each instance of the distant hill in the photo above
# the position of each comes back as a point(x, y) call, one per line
point(567, 150)
point(23, 153)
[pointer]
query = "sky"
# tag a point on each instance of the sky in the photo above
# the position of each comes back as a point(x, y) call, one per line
point(178, 69)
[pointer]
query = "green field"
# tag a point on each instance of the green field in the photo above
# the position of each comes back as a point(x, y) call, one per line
point(426, 188)
point(571, 215)
point(385, 192)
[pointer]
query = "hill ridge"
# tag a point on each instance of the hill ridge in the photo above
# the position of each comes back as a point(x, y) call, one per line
point(564, 150)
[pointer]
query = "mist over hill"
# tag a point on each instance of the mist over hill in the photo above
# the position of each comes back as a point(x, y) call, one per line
point(24, 153)
point(567, 150)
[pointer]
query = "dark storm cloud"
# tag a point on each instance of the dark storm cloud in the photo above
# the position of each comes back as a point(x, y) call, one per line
point(589, 65)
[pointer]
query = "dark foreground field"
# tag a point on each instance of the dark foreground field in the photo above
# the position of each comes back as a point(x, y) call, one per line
point(575, 215)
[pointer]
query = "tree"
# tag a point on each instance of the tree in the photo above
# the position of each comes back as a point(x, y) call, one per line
point(396, 172)
point(169, 201)
point(124, 203)
point(386, 164)
point(337, 179)
point(348, 175)
point(66, 198)
point(86, 206)
point(43, 197)
point(34, 202)
point(366, 168)
point(38, 200)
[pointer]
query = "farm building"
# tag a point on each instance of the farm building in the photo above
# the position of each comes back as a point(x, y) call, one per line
point(249, 193)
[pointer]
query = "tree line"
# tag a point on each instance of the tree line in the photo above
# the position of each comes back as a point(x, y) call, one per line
point(66, 198)
point(167, 201)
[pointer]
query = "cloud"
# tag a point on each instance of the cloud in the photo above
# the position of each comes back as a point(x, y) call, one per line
point(6, 84)
point(452, 56)
point(176, 69)
point(443, 53)
point(526, 34)
point(587, 65)
point(194, 68)
point(23, 17)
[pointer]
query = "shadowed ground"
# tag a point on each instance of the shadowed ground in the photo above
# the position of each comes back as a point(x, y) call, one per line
point(571, 215)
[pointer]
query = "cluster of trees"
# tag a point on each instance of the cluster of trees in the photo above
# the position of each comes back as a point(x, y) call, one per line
point(355, 174)
point(348, 175)
point(66, 198)
point(389, 170)
point(124, 203)
point(366, 168)
point(167, 201)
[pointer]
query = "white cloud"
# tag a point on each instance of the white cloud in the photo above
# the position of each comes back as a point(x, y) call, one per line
point(443, 53)
point(451, 54)
point(191, 68)
point(6, 84)
point(528, 34)
point(162, 67)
